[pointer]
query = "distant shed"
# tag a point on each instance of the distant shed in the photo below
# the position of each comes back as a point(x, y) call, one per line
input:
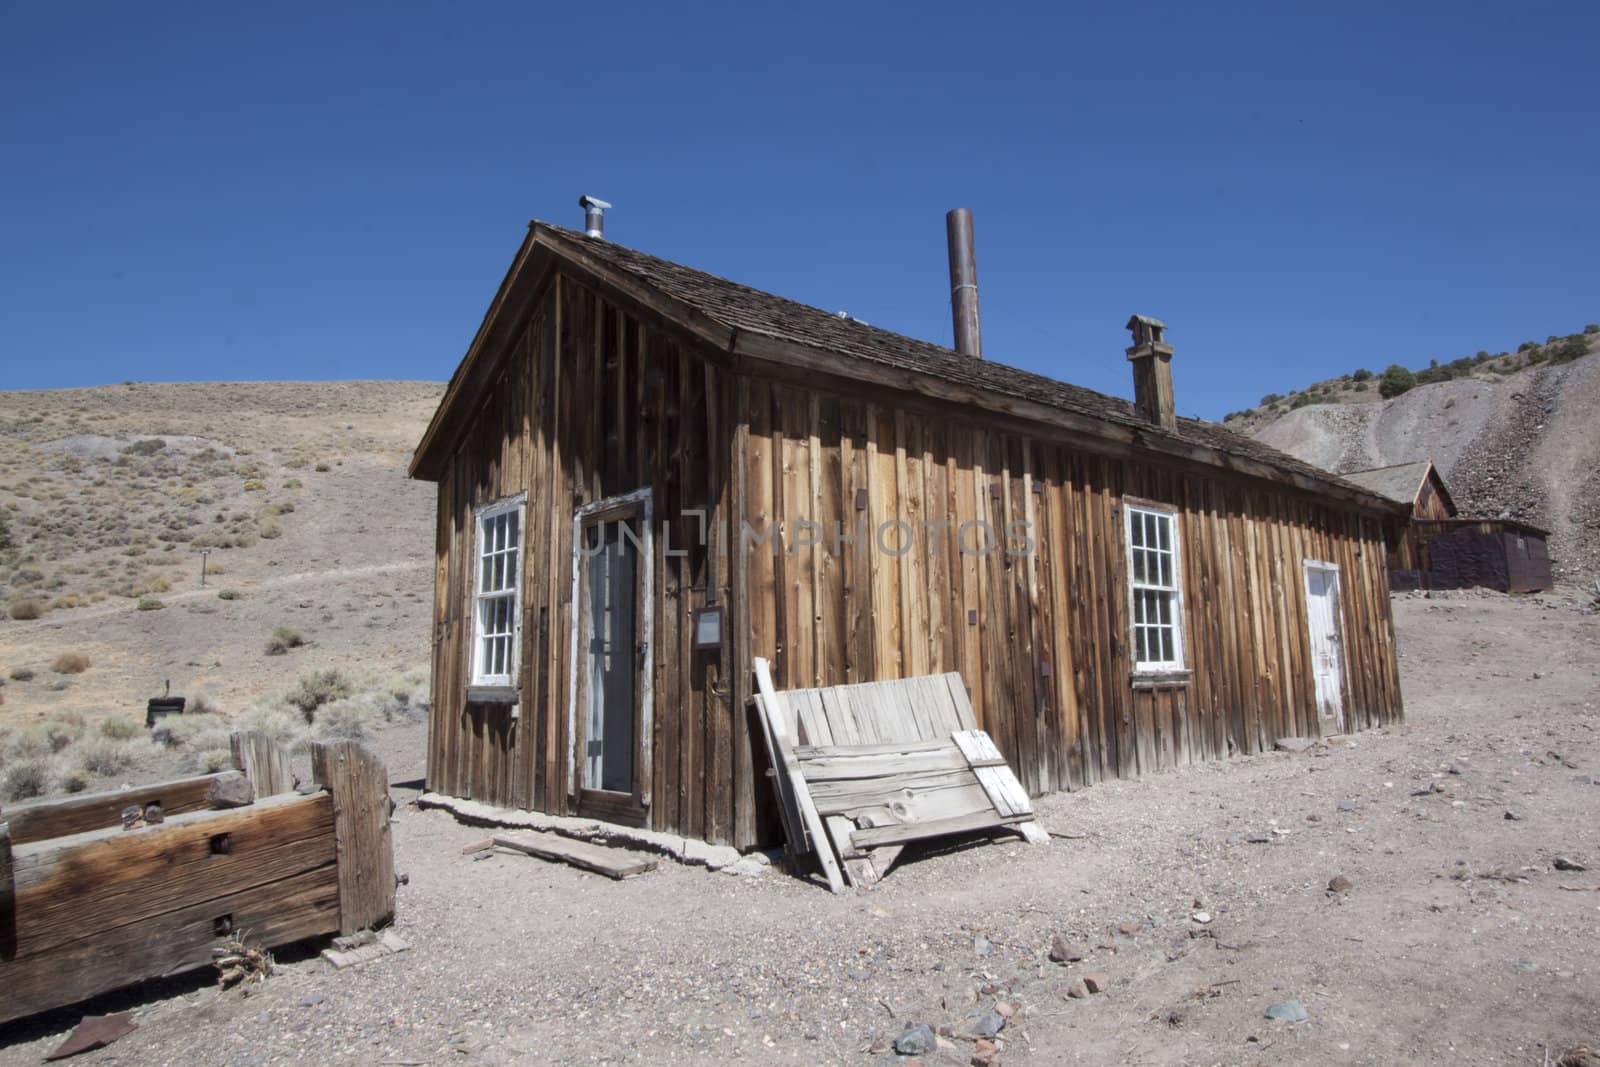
point(1437, 549)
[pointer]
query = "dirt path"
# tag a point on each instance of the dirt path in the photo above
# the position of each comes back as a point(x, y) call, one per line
point(1458, 941)
point(281, 581)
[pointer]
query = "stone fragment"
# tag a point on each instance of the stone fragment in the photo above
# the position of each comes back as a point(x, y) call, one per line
point(1289, 1011)
point(1077, 990)
point(1130, 927)
point(1063, 950)
point(1293, 744)
point(1097, 982)
point(918, 1040)
point(230, 790)
point(1340, 884)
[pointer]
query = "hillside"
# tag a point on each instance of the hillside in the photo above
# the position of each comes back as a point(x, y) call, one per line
point(318, 550)
point(1523, 445)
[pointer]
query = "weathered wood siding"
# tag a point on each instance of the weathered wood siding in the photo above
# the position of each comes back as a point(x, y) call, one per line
point(592, 403)
point(595, 401)
point(1042, 640)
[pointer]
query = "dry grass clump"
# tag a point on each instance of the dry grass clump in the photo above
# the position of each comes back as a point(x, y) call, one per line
point(270, 529)
point(238, 963)
point(150, 604)
point(120, 729)
point(70, 663)
point(26, 609)
point(317, 689)
point(214, 567)
point(229, 594)
point(283, 639)
point(103, 757)
point(26, 778)
point(205, 730)
point(21, 674)
point(207, 761)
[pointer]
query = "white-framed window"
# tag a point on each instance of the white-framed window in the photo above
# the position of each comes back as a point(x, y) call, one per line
point(497, 592)
point(1155, 595)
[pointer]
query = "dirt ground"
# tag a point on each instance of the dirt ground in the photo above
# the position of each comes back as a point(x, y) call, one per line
point(1457, 941)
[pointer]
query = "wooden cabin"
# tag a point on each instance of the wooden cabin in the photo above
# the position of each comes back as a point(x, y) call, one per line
point(1420, 488)
point(1433, 547)
point(648, 475)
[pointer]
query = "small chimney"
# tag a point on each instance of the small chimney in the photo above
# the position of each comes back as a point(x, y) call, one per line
point(1151, 357)
point(594, 216)
point(963, 283)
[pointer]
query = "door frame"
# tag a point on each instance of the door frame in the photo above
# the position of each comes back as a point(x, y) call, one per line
point(612, 806)
point(1307, 566)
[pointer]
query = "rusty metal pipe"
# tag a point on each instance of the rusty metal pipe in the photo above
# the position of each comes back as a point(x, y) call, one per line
point(963, 283)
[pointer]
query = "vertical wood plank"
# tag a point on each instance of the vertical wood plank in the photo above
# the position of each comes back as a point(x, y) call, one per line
point(359, 785)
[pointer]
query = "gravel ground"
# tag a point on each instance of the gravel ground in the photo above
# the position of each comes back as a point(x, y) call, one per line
point(1457, 941)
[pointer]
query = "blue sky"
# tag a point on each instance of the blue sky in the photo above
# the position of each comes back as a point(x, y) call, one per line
point(286, 191)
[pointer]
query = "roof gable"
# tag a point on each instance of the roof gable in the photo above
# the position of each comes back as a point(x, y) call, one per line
point(1402, 482)
point(746, 321)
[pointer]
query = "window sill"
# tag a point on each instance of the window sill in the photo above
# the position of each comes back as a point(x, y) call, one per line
point(493, 694)
point(1160, 679)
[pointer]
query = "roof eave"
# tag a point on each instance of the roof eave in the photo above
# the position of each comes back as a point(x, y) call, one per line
point(756, 345)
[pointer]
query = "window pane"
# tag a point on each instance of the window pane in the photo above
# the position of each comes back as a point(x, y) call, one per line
point(1139, 645)
point(1164, 526)
point(1138, 565)
point(511, 531)
point(1166, 570)
point(1166, 610)
point(1166, 645)
point(1136, 530)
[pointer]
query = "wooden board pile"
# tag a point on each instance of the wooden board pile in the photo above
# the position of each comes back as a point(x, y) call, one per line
point(862, 770)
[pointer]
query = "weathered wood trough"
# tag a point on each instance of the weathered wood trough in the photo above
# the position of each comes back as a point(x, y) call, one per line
point(88, 905)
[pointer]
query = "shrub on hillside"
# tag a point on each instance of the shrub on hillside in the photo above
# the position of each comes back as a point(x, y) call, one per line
point(1361, 374)
point(70, 663)
point(1570, 348)
point(1396, 380)
point(120, 729)
point(26, 609)
point(1270, 399)
point(27, 778)
point(150, 604)
point(103, 756)
point(318, 689)
point(283, 639)
point(1591, 328)
point(147, 447)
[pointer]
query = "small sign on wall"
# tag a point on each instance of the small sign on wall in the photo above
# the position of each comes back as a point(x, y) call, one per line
point(708, 628)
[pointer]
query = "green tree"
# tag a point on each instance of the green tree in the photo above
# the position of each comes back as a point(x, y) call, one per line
point(1361, 375)
point(1396, 380)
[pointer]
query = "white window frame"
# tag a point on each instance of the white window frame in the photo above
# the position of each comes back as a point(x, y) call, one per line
point(502, 687)
point(1169, 515)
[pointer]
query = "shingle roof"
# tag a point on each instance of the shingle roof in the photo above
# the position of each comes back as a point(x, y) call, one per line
point(1400, 482)
point(746, 309)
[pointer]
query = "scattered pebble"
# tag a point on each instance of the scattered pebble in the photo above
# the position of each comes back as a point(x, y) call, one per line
point(1288, 1011)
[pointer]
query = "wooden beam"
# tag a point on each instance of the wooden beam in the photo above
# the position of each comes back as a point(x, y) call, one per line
point(263, 761)
point(8, 897)
point(784, 763)
point(359, 785)
point(44, 819)
point(607, 861)
point(101, 959)
point(90, 884)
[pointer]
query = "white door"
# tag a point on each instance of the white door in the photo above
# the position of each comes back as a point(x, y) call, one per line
point(1327, 657)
